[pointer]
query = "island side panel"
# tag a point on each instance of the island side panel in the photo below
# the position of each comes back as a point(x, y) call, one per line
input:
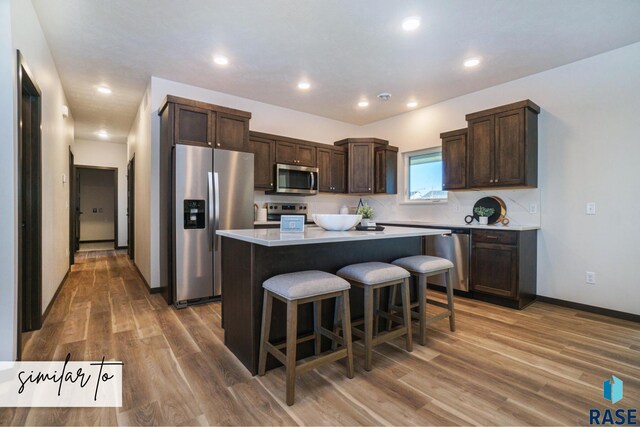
point(239, 301)
point(267, 262)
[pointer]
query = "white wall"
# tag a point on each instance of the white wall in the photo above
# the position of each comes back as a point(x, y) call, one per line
point(20, 29)
point(139, 145)
point(107, 154)
point(8, 185)
point(588, 151)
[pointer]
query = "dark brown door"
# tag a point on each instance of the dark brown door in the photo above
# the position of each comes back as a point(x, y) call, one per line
point(29, 204)
point(306, 155)
point(361, 168)
point(193, 126)
point(324, 170)
point(338, 172)
point(77, 211)
point(131, 187)
point(72, 210)
point(232, 132)
point(494, 269)
point(264, 159)
point(454, 162)
point(510, 148)
point(286, 152)
point(480, 151)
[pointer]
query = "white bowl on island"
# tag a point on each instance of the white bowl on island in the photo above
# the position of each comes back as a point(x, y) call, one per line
point(336, 222)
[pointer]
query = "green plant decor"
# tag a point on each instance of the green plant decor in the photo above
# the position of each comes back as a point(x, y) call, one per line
point(366, 212)
point(482, 211)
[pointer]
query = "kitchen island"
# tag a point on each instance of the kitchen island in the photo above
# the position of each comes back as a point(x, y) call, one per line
point(249, 257)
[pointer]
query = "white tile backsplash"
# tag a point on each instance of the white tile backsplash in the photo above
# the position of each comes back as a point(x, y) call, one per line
point(388, 207)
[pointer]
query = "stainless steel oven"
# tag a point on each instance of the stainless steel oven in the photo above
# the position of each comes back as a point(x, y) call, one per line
point(300, 180)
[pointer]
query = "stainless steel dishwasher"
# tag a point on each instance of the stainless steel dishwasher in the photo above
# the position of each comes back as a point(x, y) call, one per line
point(455, 247)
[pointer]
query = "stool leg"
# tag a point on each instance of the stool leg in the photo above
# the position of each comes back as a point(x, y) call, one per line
point(452, 316)
point(406, 311)
point(317, 323)
point(376, 312)
point(368, 327)
point(336, 323)
point(422, 303)
point(292, 337)
point(267, 304)
point(392, 299)
point(346, 327)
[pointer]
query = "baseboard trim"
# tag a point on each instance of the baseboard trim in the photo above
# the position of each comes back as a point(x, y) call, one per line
point(591, 308)
point(149, 288)
point(97, 241)
point(122, 247)
point(55, 296)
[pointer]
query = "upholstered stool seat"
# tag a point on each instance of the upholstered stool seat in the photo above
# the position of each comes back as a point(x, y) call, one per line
point(295, 289)
point(372, 277)
point(304, 284)
point(423, 264)
point(422, 267)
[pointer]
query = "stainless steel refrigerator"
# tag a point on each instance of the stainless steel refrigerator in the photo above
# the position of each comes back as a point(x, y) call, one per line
point(213, 191)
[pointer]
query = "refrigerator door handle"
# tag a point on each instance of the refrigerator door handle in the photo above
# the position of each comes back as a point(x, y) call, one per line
point(210, 203)
point(216, 196)
point(313, 180)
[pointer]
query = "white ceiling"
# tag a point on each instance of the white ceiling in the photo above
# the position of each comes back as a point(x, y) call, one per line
point(346, 49)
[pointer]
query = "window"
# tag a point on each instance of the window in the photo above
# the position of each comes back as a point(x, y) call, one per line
point(423, 176)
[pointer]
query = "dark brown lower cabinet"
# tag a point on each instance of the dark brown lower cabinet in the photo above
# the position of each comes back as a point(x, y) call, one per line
point(503, 266)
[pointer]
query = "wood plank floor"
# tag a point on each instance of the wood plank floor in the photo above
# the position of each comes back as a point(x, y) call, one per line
point(541, 366)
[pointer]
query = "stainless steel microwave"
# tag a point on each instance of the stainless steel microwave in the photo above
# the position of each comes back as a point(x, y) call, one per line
point(300, 180)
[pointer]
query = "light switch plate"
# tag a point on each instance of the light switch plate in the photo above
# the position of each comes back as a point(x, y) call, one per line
point(533, 208)
point(590, 277)
point(591, 208)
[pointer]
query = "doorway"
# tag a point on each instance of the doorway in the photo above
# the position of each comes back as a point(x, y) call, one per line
point(72, 210)
point(96, 203)
point(131, 186)
point(29, 204)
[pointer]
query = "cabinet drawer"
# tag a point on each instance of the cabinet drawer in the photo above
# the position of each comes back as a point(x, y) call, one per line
point(500, 237)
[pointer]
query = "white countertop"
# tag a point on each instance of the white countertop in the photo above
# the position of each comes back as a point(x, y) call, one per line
point(314, 234)
point(472, 225)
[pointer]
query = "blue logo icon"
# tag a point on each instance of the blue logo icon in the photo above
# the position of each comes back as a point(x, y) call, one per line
point(612, 389)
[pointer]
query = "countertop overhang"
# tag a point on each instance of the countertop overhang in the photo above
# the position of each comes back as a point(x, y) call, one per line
point(314, 234)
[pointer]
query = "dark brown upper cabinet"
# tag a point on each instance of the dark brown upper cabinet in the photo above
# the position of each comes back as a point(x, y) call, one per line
point(193, 125)
point(386, 170)
point(200, 123)
point(232, 132)
point(295, 153)
point(366, 168)
point(332, 171)
point(502, 146)
point(264, 151)
point(454, 159)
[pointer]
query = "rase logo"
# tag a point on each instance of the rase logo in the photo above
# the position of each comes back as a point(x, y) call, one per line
point(612, 390)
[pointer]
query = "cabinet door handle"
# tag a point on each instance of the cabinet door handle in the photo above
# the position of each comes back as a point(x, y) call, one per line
point(218, 144)
point(491, 237)
point(491, 180)
point(496, 180)
point(209, 142)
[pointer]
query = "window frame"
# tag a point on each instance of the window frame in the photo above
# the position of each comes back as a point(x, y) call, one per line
point(405, 184)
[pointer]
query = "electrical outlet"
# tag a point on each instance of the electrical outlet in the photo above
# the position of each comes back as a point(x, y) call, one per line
point(533, 208)
point(591, 208)
point(590, 278)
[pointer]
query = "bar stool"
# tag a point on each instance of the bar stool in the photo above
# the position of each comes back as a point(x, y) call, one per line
point(372, 277)
point(295, 289)
point(422, 267)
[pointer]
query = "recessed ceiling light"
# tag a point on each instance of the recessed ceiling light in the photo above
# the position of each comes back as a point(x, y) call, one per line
point(304, 85)
point(471, 62)
point(102, 134)
point(221, 60)
point(412, 104)
point(104, 90)
point(363, 103)
point(411, 23)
